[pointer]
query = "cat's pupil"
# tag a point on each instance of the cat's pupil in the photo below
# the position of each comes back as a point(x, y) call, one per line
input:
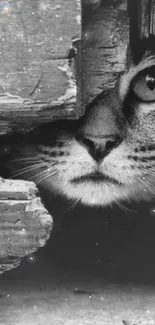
point(150, 81)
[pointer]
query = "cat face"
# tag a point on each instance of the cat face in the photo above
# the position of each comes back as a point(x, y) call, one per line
point(108, 155)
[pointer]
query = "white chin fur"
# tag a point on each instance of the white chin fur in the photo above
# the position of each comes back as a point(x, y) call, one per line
point(97, 194)
point(93, 194)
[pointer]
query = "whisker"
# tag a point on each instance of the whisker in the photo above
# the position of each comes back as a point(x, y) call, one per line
point(32, 166)
point(148, 186)
point(108, 195)
point(124, 208)
point(21, 171)
point(40, 173)
point(48, 175)
point(44, 172)
point(72, 206)
point(28, 159)
point(121, 206)
point(151, 189)
point(151, 173)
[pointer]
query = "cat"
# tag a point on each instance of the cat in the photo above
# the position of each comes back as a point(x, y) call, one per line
point(106, 156)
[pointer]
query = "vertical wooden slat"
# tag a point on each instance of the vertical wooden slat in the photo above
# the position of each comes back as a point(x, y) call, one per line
point(142, 19)
point(104, 44)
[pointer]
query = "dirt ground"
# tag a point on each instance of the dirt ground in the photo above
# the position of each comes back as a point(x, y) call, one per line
point(103, 274)
point(50, 300)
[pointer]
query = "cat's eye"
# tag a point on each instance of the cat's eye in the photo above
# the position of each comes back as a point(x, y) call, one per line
point(143, 85)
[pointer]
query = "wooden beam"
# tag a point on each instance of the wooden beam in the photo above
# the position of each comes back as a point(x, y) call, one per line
point(43, 99)
point(25, 224)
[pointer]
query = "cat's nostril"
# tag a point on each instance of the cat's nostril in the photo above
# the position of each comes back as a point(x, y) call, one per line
point(85, 141)
point(99, 148)
point(111, 145)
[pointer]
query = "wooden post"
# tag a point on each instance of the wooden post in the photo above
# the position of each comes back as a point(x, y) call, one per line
point(108, 30)
point(142, 19)
point(105, 38)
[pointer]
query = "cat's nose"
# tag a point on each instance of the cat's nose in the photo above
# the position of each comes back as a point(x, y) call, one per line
point(99, 148)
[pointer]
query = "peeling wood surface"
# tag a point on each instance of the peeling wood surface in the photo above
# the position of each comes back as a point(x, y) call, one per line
point(47, 101)
point(8, 263)
point(25, 224)
point(36, 76)
point(38, 29)
point(105, 39)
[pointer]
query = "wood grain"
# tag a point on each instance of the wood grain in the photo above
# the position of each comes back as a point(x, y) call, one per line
point(40, 101)
point(25, 224)
point(142, 19)
point(105, 39)
point(37, 79)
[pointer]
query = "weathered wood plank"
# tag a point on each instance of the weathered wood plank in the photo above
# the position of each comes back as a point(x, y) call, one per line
point(32, 31)
point(25, 224)
point(43, 99)
point(37, 75)
point(105, 38)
